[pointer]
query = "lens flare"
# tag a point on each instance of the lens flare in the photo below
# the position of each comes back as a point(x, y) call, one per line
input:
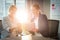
point(22, 15)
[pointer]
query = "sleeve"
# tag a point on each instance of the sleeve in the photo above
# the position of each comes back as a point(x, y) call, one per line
point(5, 24)
point(43, 25)
point(43, 21)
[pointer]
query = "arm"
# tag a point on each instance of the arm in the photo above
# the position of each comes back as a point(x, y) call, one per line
point(31, 27)
point(5, 24)
point(43, 25)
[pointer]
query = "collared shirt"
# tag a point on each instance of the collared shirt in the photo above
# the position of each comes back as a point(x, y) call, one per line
point(35, 20)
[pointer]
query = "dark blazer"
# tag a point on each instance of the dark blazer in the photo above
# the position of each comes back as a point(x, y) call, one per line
point(43, 25)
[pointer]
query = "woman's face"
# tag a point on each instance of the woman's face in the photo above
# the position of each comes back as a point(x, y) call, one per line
point(35, 11)
point(13, 10)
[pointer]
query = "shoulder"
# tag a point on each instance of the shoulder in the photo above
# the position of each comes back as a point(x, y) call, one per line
point(5, 18)
point(43, 17)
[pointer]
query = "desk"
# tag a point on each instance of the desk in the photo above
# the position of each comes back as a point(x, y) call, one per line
point(33, 38)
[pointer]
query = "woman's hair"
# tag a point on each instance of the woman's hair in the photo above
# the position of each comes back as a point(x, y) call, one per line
point(37, 6)
point(12, 7)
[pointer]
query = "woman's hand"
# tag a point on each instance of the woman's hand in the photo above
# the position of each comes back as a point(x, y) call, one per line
point(31, 27)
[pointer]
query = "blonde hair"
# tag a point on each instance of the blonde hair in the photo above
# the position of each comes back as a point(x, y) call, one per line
point(12, 7)
point(37, 6)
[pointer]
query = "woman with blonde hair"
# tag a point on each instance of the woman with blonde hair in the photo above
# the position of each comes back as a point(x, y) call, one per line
point(10, 23)
point(40, 20)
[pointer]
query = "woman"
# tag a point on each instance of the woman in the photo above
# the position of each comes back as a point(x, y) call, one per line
point(40, 20)
point(10, 24)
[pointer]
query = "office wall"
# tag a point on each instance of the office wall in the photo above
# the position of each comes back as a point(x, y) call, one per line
point(46, 7)
point(1, 8)
point(55, 11)
point(4, 5)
